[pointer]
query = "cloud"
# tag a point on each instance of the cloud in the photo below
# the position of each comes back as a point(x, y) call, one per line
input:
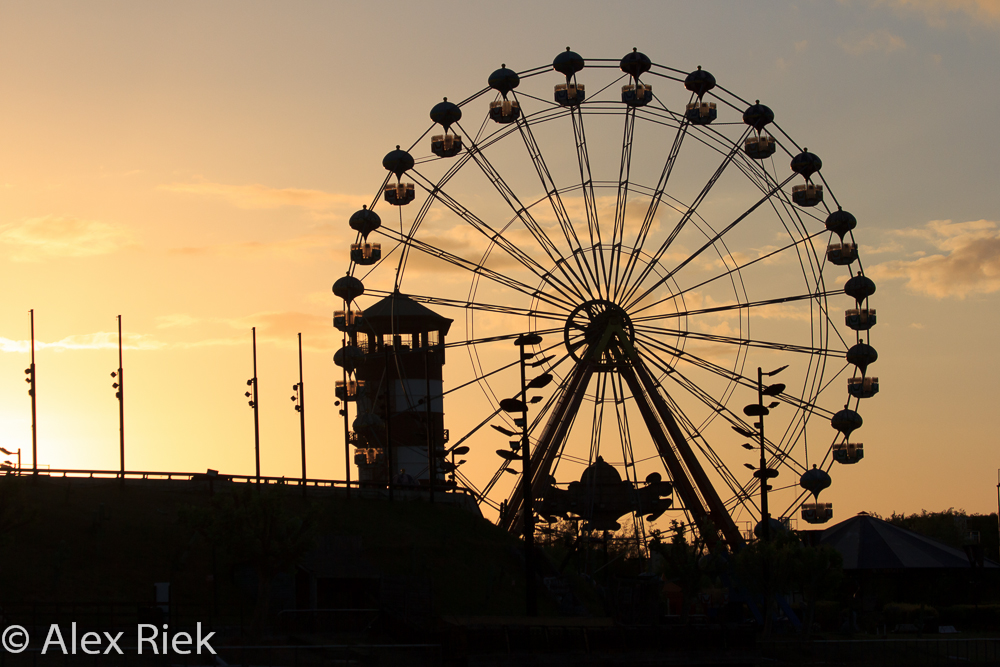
point(50, 236)
point(969, 261)
point(880, 40)
point(257, 196)
point(938, 13)
point(101, 340)
point(892, 246)
point(279, 328)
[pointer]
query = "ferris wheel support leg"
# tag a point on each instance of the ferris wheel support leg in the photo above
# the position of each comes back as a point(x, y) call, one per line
point(716, 507)
point(692, 501)
point(550, 442)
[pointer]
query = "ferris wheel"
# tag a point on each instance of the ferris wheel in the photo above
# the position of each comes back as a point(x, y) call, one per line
point(654, 250)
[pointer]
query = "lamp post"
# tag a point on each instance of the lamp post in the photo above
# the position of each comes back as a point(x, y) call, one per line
point(300, 407)
point(32, 391)
point(519, 405)
point(254, 403)
point(763, 473)
point(119, 386)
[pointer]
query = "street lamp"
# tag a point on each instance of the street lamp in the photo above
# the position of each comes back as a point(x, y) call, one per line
point(30, 372)
point(300, 407)
point(119, 387)
point(763, 473)
point(457, 450)
point(519, 405)
point(255, 404)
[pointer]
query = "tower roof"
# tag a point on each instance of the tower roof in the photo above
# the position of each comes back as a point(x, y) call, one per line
point(399, 314)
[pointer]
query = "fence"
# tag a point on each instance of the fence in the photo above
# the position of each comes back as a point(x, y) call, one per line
point(362, 489)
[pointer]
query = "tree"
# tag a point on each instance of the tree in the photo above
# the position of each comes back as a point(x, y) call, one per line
point(948, 527)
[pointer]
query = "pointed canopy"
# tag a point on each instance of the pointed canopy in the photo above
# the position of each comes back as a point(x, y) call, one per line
point(867, 543)
point(399, 314)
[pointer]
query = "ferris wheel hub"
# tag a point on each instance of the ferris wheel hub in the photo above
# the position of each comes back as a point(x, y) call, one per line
point(591, 330)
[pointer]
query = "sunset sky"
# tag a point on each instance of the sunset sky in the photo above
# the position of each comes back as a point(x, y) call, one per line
point(192, 167)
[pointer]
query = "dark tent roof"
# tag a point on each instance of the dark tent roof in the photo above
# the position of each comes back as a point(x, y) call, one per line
point(867, 543)
point(400, 314)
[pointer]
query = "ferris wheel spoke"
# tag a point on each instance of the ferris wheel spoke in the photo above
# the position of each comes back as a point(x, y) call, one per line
point(482, 497)
point(598, 420)
point(733, 376)
point(725, 373)
point(590, 203)
point(425, 207)
point(481, 375)
point(624, 432)
point(497, 476)
point(558, 208)
point(524, 215)
point(621, 202)
point(475, 305)
point(654, 203)
point(740, 342)
point(726, 274)
point(635, 285)
point(495, 237)
point(789, 214)
point(694, 389)
point(697, 253)
point(471, 267)
point(628, 459)
point(740, 305)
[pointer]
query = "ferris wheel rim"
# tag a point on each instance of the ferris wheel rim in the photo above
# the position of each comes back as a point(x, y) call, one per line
point(479, 271)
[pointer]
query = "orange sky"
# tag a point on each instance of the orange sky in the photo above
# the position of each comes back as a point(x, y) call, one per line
point(192, 168)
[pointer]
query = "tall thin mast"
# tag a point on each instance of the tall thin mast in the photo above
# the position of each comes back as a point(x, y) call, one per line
point(121, 399)
point(256, 409)
point(33, 393)
point(302, 412)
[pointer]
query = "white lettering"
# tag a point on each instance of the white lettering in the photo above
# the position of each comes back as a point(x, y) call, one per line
point(164, 639)
point(151, 639)
point(72, 644)
point(113, 643)
point(203, 641)
point(88, 639)
point(178, 640)
point(54, 629)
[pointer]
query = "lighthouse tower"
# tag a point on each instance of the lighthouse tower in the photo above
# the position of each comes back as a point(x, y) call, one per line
point(399, 404)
